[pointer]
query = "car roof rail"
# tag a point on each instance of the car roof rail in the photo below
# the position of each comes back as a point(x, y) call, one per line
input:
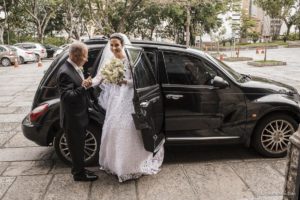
point(148, 42)
point(141, 42)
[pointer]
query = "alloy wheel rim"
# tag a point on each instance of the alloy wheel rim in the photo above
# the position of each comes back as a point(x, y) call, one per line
point(90, 146)
point(275, 136)
point(5, 62)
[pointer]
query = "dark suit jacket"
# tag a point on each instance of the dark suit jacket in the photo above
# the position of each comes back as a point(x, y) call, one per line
point(73, 98)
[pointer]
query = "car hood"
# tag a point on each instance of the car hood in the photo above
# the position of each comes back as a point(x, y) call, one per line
point(263, 85)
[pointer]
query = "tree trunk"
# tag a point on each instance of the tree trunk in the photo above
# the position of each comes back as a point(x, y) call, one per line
point(288, 26)
point(39, 33)
point(1, 35)
point(188, 24)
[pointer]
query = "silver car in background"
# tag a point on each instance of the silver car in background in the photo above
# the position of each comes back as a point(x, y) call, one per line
point(24, 54)
point(7, 56)
point(38, 49)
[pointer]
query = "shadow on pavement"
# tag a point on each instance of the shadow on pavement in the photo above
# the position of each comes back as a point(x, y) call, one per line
point(191, 154)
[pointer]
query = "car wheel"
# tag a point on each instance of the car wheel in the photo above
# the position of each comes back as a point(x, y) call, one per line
point(37, 57)
point(271, 136)
point(22, 61)
point(91, 149)
point(5, 62)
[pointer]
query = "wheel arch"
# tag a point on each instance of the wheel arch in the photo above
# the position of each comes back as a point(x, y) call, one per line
point(291, 113)
point(55, 128)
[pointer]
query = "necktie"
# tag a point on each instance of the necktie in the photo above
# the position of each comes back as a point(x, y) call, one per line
point(80, 72)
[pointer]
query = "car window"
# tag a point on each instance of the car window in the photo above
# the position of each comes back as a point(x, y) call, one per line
point(88, 67)
point(28, 46)
point(187, 70)
point(143, 74)
point(2, 49)
point(152, 60)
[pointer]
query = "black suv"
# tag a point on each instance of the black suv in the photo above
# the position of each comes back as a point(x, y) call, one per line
point(182, 96)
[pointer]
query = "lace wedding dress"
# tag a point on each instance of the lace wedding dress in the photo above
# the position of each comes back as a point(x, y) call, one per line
point(122, 152)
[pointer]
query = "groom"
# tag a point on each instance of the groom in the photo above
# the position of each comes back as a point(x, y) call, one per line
point(74, 108)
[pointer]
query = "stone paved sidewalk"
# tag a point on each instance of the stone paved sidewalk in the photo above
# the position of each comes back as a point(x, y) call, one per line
point(28, 171)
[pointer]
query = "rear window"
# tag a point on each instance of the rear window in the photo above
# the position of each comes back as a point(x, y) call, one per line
point(28, 46)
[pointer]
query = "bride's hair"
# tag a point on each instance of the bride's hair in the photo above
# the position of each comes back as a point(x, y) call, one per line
point(117, 36)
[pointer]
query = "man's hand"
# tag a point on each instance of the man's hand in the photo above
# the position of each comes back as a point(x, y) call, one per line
point(87, 83)
point(122, 82)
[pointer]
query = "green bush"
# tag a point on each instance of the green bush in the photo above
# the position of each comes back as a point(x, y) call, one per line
point(57, 41)
point(291, 37)
point(254, 36)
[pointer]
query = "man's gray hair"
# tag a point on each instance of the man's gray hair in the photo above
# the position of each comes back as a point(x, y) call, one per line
point(77, 48)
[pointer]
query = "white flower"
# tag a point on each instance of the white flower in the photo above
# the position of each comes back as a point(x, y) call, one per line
point(113, 71)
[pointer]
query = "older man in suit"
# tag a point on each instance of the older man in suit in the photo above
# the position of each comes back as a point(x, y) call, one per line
point(74, 117)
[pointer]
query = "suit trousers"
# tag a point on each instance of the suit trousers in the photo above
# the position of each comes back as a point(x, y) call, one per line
point(76, 140)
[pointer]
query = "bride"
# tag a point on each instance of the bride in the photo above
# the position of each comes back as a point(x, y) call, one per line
point(122, 151)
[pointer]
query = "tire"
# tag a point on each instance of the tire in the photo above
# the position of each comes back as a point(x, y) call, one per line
point(5, 62)
point(22, 61)
point(93, 138)
point(271, 136)
point(37, 57)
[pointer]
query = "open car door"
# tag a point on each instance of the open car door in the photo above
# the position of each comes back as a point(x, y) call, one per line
point(147, 100)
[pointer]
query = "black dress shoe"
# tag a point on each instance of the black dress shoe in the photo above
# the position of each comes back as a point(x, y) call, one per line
point(89, 172)
point(85, 177)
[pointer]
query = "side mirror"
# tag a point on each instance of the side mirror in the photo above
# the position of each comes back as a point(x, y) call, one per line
point(219, 82)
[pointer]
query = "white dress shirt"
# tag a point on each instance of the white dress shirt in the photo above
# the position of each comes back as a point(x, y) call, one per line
point(77, 68)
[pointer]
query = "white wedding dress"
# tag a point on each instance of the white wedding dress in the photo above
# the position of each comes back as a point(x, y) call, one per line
point(122, 152)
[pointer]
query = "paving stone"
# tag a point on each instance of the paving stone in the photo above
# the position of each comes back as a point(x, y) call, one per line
point(3, 166)
point(107, 187)
point(5, 99)
point(23, 110)
point(24, 103)
point(65, 188)
point(216, 181)
point(8, 110)
point(28, 188)
point(28, 168)
point(5, 137)
point(14, 89)
point(23, 99)
point(60, 168)
point(9, 126)
point(280, 165)
point(5, 103)
point(5, 182)
point(267, 198)
point(11, 117)
point(170, 184)
point(28, 153)
point(19, 140)
point(262, 179)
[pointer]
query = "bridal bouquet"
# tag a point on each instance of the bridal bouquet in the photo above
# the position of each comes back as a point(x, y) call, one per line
point(113, 71)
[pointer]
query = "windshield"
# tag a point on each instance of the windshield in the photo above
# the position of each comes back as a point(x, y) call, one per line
point(237, 76)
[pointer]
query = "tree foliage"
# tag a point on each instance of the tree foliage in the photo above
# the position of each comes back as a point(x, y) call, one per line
point(147, 19)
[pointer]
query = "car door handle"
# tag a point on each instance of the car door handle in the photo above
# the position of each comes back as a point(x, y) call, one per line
point(145, 104)
point(174, 96)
